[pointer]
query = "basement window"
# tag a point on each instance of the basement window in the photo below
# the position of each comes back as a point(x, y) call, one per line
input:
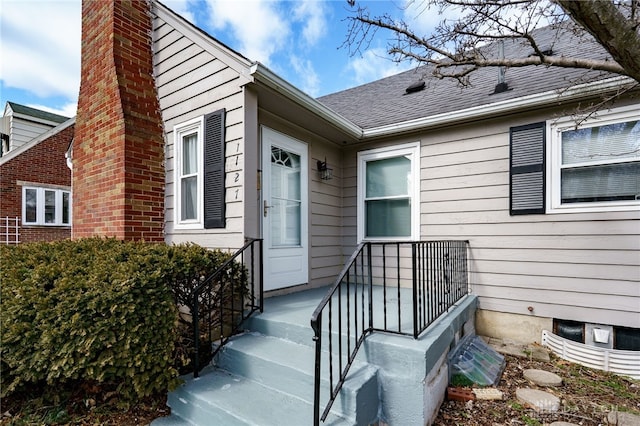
point(46, 206)
point(595, 164)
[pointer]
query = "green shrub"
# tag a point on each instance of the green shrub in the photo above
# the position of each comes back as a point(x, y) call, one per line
point(220, 304)
point(97, 310)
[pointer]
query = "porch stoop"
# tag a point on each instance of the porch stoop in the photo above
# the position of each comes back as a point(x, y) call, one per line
point(265, 376)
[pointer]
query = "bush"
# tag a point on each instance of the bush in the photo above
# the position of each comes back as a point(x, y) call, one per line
point(97, 310)
point(220, 302)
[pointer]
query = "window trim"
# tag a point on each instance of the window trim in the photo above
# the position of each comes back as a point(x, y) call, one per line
point(40, 204)
point(554, 159)
point(408, 149)
point(196, 126)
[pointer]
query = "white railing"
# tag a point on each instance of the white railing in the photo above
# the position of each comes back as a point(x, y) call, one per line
point(10, 230)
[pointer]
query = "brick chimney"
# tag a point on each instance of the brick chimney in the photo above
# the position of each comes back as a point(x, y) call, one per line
point(118, 152)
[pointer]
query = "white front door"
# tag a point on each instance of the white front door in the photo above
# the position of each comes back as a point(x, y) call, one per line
point(284, 210)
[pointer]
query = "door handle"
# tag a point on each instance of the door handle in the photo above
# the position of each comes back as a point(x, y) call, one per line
point(266, 208)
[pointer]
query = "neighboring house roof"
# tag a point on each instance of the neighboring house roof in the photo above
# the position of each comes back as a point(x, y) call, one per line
point(35, 141)
point(36, 113)
point(384, 102)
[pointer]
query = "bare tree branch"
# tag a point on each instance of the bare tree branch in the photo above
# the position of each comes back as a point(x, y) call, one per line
point(585, 112)
point(458, 47)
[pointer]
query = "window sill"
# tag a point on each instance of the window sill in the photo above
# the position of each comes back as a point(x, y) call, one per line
point(387, 239)
point(188, 226)
point(594, 208)
point(42, 225)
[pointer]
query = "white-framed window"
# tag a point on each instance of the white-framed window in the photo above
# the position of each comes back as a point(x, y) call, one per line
point(389, 193)
point(46, 206)
point(188, 143)
point(595, 166)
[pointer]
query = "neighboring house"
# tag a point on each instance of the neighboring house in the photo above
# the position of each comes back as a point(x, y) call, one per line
point(21, 124)
point(35, 187)
point(192, 142)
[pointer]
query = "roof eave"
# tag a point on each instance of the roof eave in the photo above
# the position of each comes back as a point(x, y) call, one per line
point(267, 77)
point(35, 119)
point(577, 92)
point(228, 56)
point(35, 141)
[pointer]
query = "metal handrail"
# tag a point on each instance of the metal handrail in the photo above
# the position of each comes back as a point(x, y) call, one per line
point(437, 276)
point(316, 325)
point(212, 293)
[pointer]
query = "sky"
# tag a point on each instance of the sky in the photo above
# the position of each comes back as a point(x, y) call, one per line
point(298, 40)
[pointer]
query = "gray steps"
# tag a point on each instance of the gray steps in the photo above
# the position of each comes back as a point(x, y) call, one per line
point(265, 377)
point(289, 367)
point(281, 327)
point(221, 398)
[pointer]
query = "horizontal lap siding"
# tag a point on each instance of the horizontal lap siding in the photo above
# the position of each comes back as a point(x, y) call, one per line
point(582, 266)
point(578, 266)
point(325, 198)
point(192, 82)
point(350, 193)
point(23, 131)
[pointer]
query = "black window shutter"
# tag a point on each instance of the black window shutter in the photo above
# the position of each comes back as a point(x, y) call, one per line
point(214, 159)
point(527, 169)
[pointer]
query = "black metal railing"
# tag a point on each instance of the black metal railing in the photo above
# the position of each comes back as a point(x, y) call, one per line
point(224, 300)
point(393, 287)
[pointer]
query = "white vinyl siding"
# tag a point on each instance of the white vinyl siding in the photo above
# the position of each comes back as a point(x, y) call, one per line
point(596, 166)
point(22, 131)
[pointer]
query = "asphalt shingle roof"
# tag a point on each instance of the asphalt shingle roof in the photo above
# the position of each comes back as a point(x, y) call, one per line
point(44, 115)
point(384, 102)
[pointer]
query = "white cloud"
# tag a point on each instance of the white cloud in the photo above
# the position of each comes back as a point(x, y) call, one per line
point(181, 7)
point(423, 18)
point(309, 81)
point(259, 25)
point(40, 47)
point(67, 110)
point(313, 14)
point(374, 64)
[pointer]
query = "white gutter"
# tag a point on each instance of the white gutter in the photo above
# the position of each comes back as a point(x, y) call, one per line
point(497, 108)
point(270, 79)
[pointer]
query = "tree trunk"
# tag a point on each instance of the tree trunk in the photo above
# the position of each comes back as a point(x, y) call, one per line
point(617, 33)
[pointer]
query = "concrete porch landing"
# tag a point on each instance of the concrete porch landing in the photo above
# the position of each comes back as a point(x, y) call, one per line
point(265, 376)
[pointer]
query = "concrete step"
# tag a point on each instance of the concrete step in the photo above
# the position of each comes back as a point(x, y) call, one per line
point(218, 397)
point(296, 328)
point(289, 367)
point(287, 327)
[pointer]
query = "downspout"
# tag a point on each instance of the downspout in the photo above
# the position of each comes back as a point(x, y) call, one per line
point(69, 155)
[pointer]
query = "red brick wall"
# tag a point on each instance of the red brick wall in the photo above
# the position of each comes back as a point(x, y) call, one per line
point(118, 156)
point(43, 164)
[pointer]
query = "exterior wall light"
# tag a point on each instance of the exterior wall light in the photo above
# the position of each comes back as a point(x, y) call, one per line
point(326, 173)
